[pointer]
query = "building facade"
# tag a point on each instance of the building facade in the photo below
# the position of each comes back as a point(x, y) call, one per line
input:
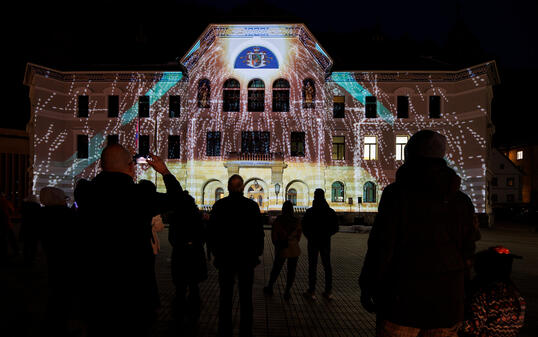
point(262, 101)
point(506, 181)
point(525, 157)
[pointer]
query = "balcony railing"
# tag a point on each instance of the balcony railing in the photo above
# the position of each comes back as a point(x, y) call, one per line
point(273, 156)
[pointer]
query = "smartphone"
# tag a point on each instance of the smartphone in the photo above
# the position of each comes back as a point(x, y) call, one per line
point(140, 159)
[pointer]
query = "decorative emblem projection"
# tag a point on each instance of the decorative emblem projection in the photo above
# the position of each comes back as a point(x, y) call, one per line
point(256, 57)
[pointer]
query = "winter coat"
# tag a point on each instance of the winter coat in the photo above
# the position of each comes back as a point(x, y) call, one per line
point(421, 238)
point(186, 235)
point(235, 232)
point(116, 214)
point(286, 230)
point(320, 223)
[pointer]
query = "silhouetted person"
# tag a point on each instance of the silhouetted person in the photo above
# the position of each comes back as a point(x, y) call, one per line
point(285, 234)
point(115, 214)
point(7, 235)
point(319, 225)
point(495, 306)
point(420, 245)
point(236, 240)
point(30, 228)
point(189, 266)
point(59, 241)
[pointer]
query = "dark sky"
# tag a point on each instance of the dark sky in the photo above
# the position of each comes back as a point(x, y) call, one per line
point(358, 36)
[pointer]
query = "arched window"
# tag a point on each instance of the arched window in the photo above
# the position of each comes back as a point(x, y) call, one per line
point(337, 190)
point(292, 196)
point(369, 192)
point(219, 194)
point(281, 95)
point(256, 95)
point(230, 95)
point(309, 93)
point(204, 89)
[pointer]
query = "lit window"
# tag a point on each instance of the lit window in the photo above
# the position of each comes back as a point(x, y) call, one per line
point(173, 147)
point(519, 155)
point(339, 106)
point(309, 93)
point(337, 192)
point(339, 148)
point(400, 146)
point(370, 148)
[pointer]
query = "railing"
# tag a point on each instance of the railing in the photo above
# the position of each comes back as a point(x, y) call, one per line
point(255, 156)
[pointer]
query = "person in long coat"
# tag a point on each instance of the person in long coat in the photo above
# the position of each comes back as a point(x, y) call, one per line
point(285, 235)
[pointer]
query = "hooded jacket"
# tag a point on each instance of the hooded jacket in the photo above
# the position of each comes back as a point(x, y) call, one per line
point(422, 236)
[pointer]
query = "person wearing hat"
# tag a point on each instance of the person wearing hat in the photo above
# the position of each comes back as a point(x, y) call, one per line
point(319, 225)
point(496, 308)
point(420, 246)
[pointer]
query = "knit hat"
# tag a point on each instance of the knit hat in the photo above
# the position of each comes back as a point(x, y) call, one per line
point(52, 196)
point(426, 144)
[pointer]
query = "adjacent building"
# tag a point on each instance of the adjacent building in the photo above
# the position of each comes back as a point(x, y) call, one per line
point(264, 102)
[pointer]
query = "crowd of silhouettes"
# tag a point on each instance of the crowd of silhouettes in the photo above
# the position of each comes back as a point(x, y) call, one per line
point(416, 276)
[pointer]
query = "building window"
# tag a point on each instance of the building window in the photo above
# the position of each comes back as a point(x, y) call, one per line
point(369, 192)
point(494, 181)
point(174, 147)
point(231, 95)
point(83, 106)
point(143, 145)
point(281, 95)
point(113, 106)
point(297, 144)
point(256, 96)
point(112, 139)
point(143, 106)
point(510, 181)
point(435, 107)
point(494, 198)
point(400, 146)
point(509, 198)
point(204, 89)
point(309, 93)
point(370, 148)
point(337, 192)
point(519, 155)
point(339, 106)
point(339, 148)
point(292, 196)
point(213, 144)
point(219, 194)
point(174, 106)
point(402, 108)
point(82, 146)
point(256, 142)
point(371, 107)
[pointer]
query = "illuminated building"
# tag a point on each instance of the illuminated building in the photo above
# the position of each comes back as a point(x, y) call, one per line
point(262, 101)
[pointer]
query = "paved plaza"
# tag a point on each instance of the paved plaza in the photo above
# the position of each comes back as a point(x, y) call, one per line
point(24, 301)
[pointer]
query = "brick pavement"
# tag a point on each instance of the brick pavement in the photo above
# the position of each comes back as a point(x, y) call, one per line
point(23, 295)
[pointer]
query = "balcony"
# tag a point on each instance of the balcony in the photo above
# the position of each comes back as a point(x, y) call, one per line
point(255, 157)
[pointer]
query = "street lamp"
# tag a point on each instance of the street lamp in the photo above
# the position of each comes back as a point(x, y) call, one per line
point(277, 190)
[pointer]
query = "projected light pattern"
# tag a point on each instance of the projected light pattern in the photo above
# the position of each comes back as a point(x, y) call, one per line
point(267, 53)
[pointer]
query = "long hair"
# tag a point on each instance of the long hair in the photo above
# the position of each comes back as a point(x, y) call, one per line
point(287, 209)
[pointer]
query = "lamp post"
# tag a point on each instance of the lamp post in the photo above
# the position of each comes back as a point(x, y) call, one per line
point(277, 190)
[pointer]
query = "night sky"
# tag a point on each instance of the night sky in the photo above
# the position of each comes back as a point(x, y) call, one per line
point(358, 35)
